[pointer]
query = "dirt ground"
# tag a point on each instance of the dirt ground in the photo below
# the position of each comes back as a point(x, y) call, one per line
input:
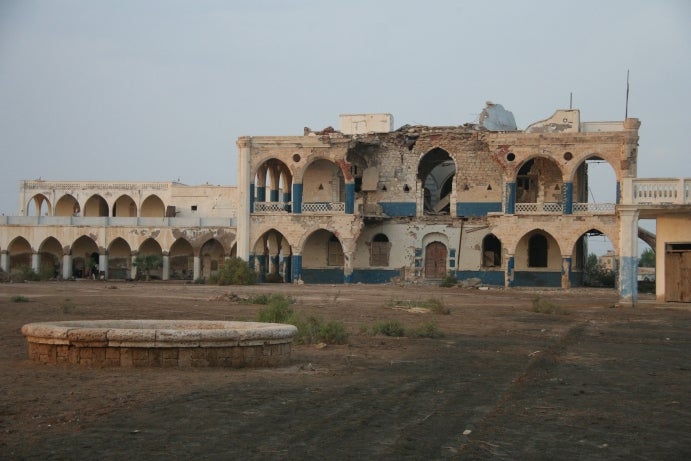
point(591, 382)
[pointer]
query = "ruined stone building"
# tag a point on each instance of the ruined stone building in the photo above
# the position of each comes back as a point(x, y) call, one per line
point(370, 204)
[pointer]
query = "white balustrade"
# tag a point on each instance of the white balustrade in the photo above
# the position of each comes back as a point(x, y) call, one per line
point(323, 207)
point(539, 208)
point(272, 207)
point(594, 208)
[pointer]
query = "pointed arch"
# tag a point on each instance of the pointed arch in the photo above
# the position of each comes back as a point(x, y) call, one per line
point(436, 172)
point(211, 256)
point(50, 258)
point(491, 251)
point(322, 257)
point(119, 259)
point(181, 260)
point(67, 205)
point(273, 253)
point(19, 251)
point(538, 260)
point(39, 205)
point(153, 207)
point(539, 186)
point(124, 207)
point(84, 256)
point(96, 206)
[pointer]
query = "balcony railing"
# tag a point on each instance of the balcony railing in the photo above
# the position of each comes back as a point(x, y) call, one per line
point(272, 207)
point(323, 207)
point(105, 221)
point(594, 208)
point(539, 208)
point(665, 191)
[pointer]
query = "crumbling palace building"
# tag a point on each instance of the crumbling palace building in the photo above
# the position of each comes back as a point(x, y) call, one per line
point(370, 204)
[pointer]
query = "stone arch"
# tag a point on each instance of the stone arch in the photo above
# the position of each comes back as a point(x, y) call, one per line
point(273, 256)
point(124, 207)
point(151, 247)
point(152, 207)
point(273, 181)
point(539, 179)
point(67, 205)
point(85, 256)
point(582, 251)
point(538, 260)
point(593, 169)
point(119, 259)
point(491, 251)
point(50, 258)
point(323, 181)
point(19, 253)
point(181, 260)
point(435, 252)
point(211, 257)
point(436, 172)
point(322, 257)
point(39, 205)
point(96, 206)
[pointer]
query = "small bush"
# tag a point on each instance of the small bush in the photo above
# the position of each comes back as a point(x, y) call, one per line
point(426, 330)
point(545, 306)
point(259, 299)
point(449, 281)
point(312, 330)
point(389, 328)
point(235, 271)
point(23, 274)
point(20, 299)
point(333, 333)
point(277, 310)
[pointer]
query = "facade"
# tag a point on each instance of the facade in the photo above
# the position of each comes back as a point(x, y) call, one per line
point(366, 204)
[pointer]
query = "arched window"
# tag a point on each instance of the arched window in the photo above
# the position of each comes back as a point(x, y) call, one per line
point(379, 250)
point(537, 251)
point(491, 251)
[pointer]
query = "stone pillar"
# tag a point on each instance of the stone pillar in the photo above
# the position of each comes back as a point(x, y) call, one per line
point(133, 272)
point(350, 198)
point(287, 270)
point(509, 281)
point(4, 261)
point(245, 198)
point(297, 198)
point(165, 269)
point(348, 267)
point(296, 267)
point(628, 257)
point(67, 266)
point(35, 262)
point(567, 192)
point(510, 198)
point(103, 266)
point(566, 271)
point(260, 262)
point(197, 268)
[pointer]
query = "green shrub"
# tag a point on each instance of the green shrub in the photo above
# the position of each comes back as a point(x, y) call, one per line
point(277, 310)
point(545, 306)
point(333, 333)
point(312, 330)
point(20, 299)
point(389, 328)
point(449, 281)
point(23, 274)
point(236, 271)
point(259, 299)
point(426, 330)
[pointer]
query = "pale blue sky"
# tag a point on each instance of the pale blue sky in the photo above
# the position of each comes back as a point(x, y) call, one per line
point(160, 90)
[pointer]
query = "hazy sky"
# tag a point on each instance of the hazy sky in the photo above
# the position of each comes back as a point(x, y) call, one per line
point(160, 90)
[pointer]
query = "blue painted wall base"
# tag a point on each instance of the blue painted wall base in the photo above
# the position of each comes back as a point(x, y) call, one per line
point(537, 279)
point(487, 277)
point(374, 275)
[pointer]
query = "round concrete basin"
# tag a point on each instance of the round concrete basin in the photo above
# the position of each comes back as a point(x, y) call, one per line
point(155, 343)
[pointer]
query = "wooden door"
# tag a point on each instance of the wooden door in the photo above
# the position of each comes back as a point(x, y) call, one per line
point(678, 276)
point(435, 260)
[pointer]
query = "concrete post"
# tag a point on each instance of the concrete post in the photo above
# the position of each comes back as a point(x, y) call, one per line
point(165, 268)
point(67, 266)
point(35, 262)
point(628, 257)
point(566, 271)
point(103, 265)
point(296, 267)
point(348, 267)
point(245, 197)
point(509, 282)
point(197, 268)
point(133, 275)
point(4, 261)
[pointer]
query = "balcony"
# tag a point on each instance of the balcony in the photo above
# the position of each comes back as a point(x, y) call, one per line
point(664, 191)
point(594, 208)
point(539, 208)
point(272, 207)
point(323, 207)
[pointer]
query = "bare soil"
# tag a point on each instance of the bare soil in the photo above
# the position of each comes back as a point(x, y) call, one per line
point(589, 381)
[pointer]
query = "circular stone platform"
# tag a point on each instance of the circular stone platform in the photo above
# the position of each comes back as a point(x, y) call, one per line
point(160, 343)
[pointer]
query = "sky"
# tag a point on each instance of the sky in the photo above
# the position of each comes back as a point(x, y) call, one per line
point(146, 90)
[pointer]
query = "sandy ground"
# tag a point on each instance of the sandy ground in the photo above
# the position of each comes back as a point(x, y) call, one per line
point(592, 382)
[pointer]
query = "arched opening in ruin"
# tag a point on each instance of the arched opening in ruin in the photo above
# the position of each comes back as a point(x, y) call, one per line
point(124, 207)
point(153, 207)
point(273, 255)
point(67, 205)
point(491, 251)
point(322, 258)
point(96, 206)
point(119, 260)
point(323, 188)
point(181, 260)
point(39, 205)
point(595, 187)
point(150, 247)
point(50, 258)
point(594, 261)
point(538, 260)
point(19, 252)
point(273, 187)
point(539, 187)
point(84, 257)
point(436, 172)
point(211, 257)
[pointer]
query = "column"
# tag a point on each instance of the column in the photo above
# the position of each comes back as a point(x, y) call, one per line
point(567, 192)
point(350, 198)
point(297, 198)
point(509, 282)
point(165, 269)
point(67, 266)
point(35, 262)
point(347, 267)
point(4, 261)
point(260, 262)
point(103, 266)
point(246, 194)
point(133, 272)
point(510, 198)
point(296, 267)
point(628, 257)
point(566, 271)
point(197, 268)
